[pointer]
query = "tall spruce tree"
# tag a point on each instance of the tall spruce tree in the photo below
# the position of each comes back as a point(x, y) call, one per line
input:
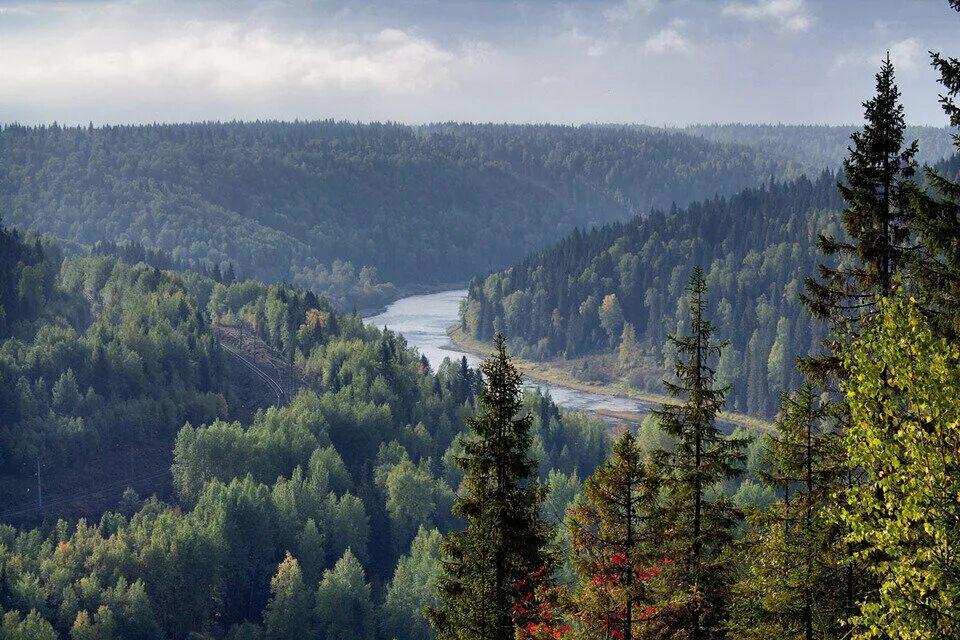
point(700, 527)
point(615, 535)
point(867, 265)
point(487, 566)
point(878, 189)
point(937, 221)
point(793, 586)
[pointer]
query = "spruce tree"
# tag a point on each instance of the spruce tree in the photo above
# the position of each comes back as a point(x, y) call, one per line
point(615, 536)
point(487, 566)
point(343, 607)
point(699, 528)
point(937, 221)
point(794, 584)
point(878, 249)
point(878, 188)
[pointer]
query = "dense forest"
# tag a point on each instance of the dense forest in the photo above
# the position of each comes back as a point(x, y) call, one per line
point(620, 287)
point(343, 208)
point(369, 495)
point(97, 354)
point(860, 540)
point(354, 475)
point(812, 148)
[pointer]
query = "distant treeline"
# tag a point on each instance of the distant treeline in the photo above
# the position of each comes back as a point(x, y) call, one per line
point(812, 148)
point(343, 208)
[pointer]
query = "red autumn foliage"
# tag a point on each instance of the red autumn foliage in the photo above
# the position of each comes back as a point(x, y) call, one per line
point(536, 614)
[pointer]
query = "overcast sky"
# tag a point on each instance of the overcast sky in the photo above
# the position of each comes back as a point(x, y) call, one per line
point(648, 61)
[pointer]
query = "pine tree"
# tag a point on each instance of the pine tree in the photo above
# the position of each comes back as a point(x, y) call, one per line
point(794, 584)
point(486, 567)
point(614, 535)
point(699, 529)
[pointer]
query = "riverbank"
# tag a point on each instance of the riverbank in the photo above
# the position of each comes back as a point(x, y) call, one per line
point(556, 374)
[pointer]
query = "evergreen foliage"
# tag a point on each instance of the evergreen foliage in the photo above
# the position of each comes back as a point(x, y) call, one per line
point(343, 208)
point(937, 222)
point(615, 535)
point(757, 247)
point(699, 528)
point(487, 564)
point(877, 188)
point(344, 606)
point(299, 478)
point(794, 584)
point(811, 148)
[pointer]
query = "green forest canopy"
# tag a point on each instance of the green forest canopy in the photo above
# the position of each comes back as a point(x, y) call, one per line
point(577, 297)
point(355, 476)
point(344, 208)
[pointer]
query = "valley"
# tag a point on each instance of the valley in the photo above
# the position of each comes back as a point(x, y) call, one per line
point(479, 321)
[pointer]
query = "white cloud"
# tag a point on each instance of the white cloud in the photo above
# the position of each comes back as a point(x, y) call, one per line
point(667, 40)
point(224, 58)
point(15, 11)
point(629, 9)
point(593, 46)
point(905, 54)
point(791, 15)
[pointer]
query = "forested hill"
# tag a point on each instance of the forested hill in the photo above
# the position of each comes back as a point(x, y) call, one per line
point(354, 475)
point(620, 288)
point(313, 203)
point(813, 148)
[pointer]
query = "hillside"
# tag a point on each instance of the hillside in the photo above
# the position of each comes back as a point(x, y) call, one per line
point(344, 208)
point(813, 148)
point(577, 297)
point(111, 373)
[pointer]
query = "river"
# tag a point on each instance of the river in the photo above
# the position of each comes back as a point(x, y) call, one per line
point(424, 319)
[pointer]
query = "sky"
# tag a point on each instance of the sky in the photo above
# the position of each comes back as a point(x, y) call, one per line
point(657, 62)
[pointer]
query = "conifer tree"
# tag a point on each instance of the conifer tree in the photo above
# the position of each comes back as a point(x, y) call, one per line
point(486, 566)
point(614, 535)
point(878, 249)
point(344, 608)
point(794, 585)
point(878, 188)
point(937, 221)
point(310, 551)
point(699, 529)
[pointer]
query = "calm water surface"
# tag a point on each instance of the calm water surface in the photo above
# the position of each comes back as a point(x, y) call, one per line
point(424, 320)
